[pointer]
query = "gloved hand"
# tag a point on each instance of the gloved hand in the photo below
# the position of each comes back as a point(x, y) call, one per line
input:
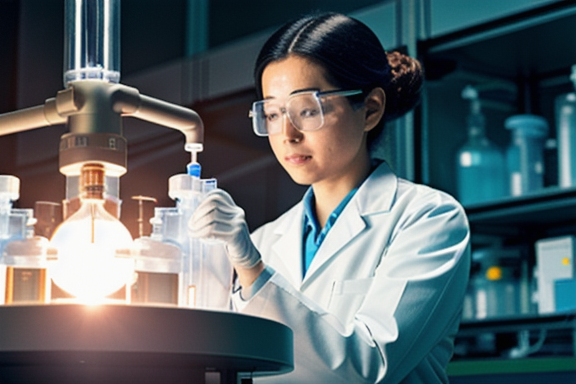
point(218, 217)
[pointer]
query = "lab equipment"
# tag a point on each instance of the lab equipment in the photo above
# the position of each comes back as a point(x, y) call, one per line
point(554, 263)
point(550, 162)
point(158, 273)
point(565, 294)
point(27, 279)
point(525, 155)
point(23, 256)
point(566, 135)
point(48, 216)
point(93, 247)
point(480, 164)
point(10, 225)
point(92, 37)
point(93, 106)
point(496, 286)
point(207, 271)
point(71, 344)
point(181, 270)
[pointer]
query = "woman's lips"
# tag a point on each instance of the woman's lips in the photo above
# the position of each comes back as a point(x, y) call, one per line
point(297, 159)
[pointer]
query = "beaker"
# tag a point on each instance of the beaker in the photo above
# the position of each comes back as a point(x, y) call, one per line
point(158, 272)
point(24, 271)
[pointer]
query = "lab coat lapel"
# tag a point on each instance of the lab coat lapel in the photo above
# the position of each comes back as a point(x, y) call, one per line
point(288, 249)
point(374, 196)
point(346, 228)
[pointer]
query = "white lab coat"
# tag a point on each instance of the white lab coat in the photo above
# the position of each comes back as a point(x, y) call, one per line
point(382, 299)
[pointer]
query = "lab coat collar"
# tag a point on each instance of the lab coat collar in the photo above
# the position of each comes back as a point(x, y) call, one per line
point(378, 192)
point(374, 196)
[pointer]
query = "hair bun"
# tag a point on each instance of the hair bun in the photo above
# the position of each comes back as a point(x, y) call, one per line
point(406, 85)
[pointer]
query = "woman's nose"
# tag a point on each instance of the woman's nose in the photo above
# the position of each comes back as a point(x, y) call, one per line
point(290, 132)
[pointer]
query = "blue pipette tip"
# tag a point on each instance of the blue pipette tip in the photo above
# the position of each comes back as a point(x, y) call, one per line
point(194, 169)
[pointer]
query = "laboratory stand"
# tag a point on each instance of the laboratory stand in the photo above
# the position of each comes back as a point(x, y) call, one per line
point(82, 344)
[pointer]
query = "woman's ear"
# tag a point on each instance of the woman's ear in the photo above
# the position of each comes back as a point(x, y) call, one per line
point(375, 104)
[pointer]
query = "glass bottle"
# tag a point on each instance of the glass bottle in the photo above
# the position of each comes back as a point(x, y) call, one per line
point(525, 155)
point(566, 136)
point(480, 172)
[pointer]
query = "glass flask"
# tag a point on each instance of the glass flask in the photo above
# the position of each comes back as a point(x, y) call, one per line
point(93, 247)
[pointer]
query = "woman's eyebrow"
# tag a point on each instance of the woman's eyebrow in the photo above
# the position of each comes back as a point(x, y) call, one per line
point(304, 90)
point(294, 92)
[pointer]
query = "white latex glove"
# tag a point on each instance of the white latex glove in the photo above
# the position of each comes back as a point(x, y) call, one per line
point(218, 217)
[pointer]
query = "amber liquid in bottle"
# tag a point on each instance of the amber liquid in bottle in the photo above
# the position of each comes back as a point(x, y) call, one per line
point(25, 285)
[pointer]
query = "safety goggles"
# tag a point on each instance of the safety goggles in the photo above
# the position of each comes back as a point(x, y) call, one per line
point(306, 111)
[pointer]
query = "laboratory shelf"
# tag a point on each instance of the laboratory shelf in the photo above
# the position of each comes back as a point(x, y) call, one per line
point(516, 344)
point(565, 320)
point(550, 205)
point(542, 365)
point(510, 371)
point(520, 64)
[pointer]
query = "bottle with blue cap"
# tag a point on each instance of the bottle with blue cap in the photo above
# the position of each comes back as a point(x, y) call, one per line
point(525, 155)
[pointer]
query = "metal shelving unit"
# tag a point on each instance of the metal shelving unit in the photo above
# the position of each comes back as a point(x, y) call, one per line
point(526, 58)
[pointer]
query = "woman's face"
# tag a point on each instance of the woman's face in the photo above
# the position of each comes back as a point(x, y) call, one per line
point(336, 152)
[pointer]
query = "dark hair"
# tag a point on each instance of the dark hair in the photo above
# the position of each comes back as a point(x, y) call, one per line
point(352, 57)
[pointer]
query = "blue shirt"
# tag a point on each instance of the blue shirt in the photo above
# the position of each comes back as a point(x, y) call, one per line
point(314, 235)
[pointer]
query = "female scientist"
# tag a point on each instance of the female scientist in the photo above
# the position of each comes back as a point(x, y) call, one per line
point(368, 270)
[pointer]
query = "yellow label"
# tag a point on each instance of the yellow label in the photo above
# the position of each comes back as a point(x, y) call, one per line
point(494, 273)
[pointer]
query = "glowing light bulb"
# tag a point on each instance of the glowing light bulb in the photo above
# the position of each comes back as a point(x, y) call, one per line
point(93, 247)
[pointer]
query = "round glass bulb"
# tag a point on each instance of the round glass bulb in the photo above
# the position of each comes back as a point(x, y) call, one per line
point(94, 257)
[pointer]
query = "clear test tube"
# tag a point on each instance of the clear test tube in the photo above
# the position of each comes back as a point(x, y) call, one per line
point(92, 40)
